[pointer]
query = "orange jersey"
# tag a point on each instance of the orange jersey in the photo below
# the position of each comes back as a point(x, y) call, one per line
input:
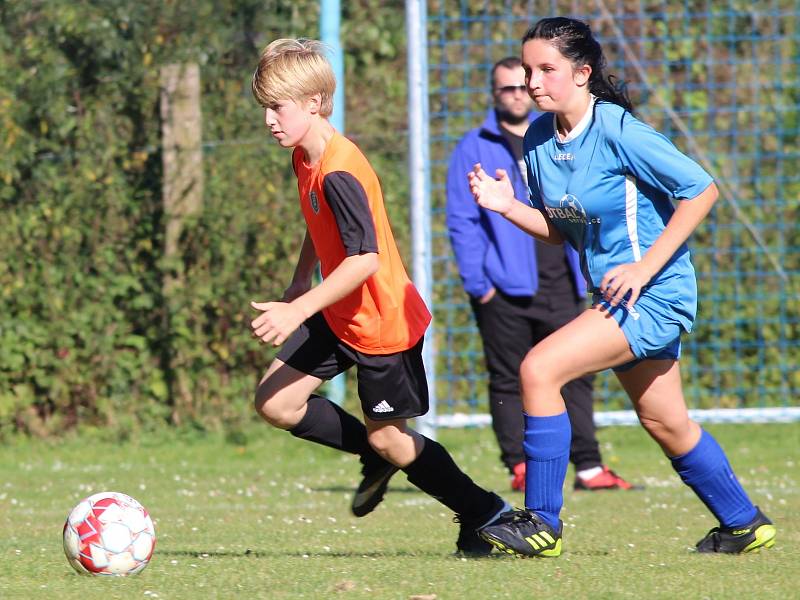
point(342, 203)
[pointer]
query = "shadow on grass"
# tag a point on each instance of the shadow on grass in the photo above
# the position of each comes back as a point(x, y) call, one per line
point(276, 554)
point(593, 553)
point(344, 488)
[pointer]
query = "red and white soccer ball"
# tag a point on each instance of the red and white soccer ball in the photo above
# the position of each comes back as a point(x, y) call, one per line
point(109, 534)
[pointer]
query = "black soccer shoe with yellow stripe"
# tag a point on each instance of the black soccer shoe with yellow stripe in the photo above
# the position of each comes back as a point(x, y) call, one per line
point(759, 533)
point(524, 533)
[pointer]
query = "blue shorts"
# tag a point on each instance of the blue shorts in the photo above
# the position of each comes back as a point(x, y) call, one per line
point(654, 325)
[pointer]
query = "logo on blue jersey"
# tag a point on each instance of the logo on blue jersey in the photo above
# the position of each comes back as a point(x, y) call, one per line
point(570, 217)
point(563, 156)
point(569, 209)
point(314, 202)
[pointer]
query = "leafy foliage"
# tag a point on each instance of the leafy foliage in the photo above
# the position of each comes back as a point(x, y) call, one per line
point(720, 79)
point(88, 336)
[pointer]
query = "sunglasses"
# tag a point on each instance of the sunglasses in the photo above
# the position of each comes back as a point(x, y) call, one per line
point(510, 89)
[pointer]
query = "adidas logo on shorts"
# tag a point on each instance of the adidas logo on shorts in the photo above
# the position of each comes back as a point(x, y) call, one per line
point(382, 407)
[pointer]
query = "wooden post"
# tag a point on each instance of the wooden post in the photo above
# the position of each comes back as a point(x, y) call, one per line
point(181, 129)
point(181, 138)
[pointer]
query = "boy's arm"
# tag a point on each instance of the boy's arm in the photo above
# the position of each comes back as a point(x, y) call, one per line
point(280, 319)
point(350, 275)
point(348, 202)
point(303, 272)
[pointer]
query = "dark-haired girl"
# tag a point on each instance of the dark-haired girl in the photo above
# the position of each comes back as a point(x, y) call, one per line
point(605, 182)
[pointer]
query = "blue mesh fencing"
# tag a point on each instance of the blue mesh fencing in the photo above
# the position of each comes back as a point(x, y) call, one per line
point(722, 80)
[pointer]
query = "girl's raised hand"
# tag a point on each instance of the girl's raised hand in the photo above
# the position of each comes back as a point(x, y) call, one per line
point(492, 193)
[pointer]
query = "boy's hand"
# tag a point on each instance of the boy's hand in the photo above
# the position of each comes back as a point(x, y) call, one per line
point(277, 322)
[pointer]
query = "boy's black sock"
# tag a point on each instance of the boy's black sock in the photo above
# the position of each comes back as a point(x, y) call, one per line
point(435, 472)
point(330, 425)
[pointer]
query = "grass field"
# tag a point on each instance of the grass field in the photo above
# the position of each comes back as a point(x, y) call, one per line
point(268, 517)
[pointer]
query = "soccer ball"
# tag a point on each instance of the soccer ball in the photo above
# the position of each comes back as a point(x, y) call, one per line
point(109, 534)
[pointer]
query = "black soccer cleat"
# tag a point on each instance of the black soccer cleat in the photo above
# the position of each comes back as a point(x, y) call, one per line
point(375, 480)
point(759, 533)
point(524, 533)
point(469, 542)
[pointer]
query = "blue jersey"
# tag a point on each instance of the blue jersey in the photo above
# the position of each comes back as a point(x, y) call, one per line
point(608, 187)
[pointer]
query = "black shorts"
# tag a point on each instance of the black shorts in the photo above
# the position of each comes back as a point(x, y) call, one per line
point(390, 386)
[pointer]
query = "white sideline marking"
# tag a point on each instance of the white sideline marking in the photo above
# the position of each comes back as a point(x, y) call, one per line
point(628, 417)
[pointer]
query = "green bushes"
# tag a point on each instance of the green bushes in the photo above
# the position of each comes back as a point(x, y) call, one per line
point(87, 337)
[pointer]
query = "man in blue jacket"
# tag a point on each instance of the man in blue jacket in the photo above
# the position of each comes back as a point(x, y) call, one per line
point(521, 290)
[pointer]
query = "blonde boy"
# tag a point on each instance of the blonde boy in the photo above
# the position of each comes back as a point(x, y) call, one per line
point(365, 312)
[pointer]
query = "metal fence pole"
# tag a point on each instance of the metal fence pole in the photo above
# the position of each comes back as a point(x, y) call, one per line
point(330, 19)
point(419, 174)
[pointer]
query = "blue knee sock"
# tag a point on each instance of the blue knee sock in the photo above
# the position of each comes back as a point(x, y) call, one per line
point(546, 444)
point(706, 470)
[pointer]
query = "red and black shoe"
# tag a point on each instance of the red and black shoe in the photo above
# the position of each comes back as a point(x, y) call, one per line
point(604, 480)
point(518, 478)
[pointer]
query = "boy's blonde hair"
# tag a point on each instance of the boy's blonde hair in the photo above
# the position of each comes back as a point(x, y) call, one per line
point(294, 69)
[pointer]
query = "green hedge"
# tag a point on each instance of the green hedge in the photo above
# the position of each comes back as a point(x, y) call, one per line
point(87, 337)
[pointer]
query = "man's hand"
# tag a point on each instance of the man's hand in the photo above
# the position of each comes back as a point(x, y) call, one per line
point(277, 322)
point(487, 296)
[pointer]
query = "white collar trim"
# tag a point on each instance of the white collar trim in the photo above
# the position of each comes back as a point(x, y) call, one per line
point(580, 127)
